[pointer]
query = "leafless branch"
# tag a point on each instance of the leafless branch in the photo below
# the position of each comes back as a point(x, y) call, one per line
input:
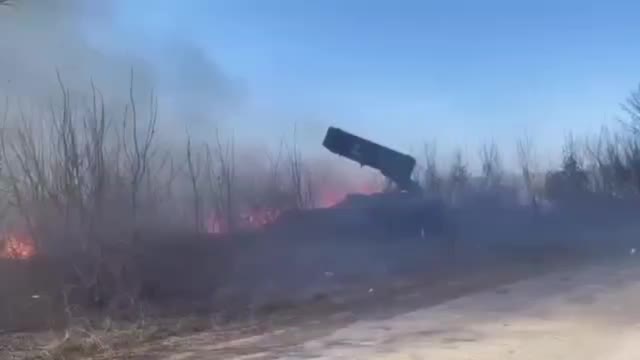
point(194, 170)
point(492, 171)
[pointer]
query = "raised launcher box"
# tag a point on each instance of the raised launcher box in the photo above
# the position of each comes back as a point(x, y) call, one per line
point(393, 164)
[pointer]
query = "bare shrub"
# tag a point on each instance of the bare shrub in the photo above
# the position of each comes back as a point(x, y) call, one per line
point(632, 108)
point(617, 172)
point(275, 192)
point(459, 177)
point(431, 180)
point(599, 168)
point(632, 160)
point(77, 183)
point(571, 181)
point(300, 177)
point(137, 142)
point(194, 168)
point(528, 168)
point(492, 171)
point(220, 160)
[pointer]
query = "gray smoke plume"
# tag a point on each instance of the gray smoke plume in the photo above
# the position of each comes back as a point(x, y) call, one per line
point(80, 40)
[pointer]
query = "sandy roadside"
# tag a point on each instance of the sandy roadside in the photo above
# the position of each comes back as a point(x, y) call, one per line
point(582, 313)
point(587, 314)
point(579, 312)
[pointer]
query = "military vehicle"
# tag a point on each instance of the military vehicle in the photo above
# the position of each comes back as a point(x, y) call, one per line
point(404, 211)
point(394, 165)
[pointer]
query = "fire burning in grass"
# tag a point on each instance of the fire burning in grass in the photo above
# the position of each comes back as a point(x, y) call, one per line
point(251, 220)
point(255, 219)
point(17, 247)
point(333, 197)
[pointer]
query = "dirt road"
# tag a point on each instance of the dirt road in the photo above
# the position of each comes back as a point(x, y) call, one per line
point(584, 314)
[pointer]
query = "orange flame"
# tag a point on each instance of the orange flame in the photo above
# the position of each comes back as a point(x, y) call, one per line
point(251, 220)
point(17, 247)
point(332, 197)
point(259, 218)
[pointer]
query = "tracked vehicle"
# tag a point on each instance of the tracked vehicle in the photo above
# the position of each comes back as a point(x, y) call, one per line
point(405, 211)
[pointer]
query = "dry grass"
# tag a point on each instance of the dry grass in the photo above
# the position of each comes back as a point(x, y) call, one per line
point(113, 340)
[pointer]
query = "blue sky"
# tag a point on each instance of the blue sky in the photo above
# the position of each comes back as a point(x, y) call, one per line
point(405, 71)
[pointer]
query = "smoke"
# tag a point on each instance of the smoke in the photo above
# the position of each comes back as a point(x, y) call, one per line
point(101, 42)
point(42, 37)
point(87, 42)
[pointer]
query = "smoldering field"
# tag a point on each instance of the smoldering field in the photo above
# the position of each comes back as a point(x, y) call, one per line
point(102, 218)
